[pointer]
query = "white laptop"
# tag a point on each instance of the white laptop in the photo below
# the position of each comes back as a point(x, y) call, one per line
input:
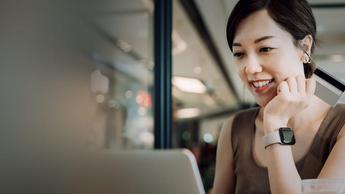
point(107, 172)
point(156, 172)
point(135, 172)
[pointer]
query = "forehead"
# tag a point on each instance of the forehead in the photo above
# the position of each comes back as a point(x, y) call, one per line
point(257, 25)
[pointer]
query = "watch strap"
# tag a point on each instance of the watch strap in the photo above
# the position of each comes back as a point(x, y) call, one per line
point(270, 139)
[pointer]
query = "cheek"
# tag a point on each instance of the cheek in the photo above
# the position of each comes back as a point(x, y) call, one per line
point(293, 63)
point(243, 77)
point(240, 73)
point(292, 69)
point(288, 65)
point(239, 67)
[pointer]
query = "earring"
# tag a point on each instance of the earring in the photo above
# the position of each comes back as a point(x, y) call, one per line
point(306, 58)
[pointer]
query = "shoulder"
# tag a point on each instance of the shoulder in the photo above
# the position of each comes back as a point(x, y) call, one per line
point(340, 108)
point(238, 125)
point(334, 126)
point(225, 133)
point(336, 159)
point(244, 119)
point(247, 113)
point(241, 116)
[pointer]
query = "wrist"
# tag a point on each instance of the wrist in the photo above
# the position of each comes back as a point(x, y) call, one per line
point(282, 136)
point(273, 125)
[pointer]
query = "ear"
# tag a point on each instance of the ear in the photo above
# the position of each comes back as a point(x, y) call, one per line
point(306, 44)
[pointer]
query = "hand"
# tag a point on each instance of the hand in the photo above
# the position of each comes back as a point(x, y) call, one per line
point(293, 96)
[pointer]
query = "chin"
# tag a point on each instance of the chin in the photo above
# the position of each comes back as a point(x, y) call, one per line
point(263, 101)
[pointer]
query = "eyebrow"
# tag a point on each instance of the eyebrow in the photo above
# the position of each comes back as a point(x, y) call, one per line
point(255, 41)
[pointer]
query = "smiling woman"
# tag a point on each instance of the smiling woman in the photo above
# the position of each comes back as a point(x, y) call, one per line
point(293, 134)
point(270, 45)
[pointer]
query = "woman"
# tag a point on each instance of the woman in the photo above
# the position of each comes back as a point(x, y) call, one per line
point(272, 42)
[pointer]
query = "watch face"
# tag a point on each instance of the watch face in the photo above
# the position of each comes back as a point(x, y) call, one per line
point(287, 136)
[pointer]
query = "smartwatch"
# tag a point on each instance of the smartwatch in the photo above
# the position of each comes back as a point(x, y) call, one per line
point(284, 136)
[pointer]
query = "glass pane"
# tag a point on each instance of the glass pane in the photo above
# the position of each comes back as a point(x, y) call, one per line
point(203, 97)
point(123, 57)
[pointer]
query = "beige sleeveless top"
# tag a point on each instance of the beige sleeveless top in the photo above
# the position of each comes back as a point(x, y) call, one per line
point(253, 179)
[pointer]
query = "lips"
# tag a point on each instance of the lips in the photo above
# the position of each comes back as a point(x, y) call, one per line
point(260, 86)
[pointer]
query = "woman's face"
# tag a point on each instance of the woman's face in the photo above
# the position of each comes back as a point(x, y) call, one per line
point(265, 55)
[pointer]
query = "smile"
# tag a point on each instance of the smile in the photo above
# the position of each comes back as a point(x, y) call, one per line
point(261, 85)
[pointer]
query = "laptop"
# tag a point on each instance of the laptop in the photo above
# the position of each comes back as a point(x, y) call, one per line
point(157, 172)
point(104, 172)
point(143, 172)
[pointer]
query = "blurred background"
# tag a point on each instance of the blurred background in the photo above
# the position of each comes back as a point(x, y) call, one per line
point(78, 76)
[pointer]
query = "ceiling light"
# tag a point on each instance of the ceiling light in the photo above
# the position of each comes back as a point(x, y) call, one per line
point(191, 85)
point(187, 113)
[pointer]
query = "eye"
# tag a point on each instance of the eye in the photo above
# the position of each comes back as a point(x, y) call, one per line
point(265, 49)
point(238, 54)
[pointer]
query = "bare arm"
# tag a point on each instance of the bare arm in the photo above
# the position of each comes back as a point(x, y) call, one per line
point(293, 96)
point(334, 167)
point(282, 172)
point(282, 165)
point(224, 181)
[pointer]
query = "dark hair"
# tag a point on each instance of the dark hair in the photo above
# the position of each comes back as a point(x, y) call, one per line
point(294, 16)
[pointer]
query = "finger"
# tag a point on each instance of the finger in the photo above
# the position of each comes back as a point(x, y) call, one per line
point(292, 85)
point(310, 85)
point(301, 81)
point(283, 88)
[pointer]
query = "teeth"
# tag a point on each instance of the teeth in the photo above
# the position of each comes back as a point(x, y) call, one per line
point(260, 84)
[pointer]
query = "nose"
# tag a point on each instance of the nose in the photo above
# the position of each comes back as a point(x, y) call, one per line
point(252, 65)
